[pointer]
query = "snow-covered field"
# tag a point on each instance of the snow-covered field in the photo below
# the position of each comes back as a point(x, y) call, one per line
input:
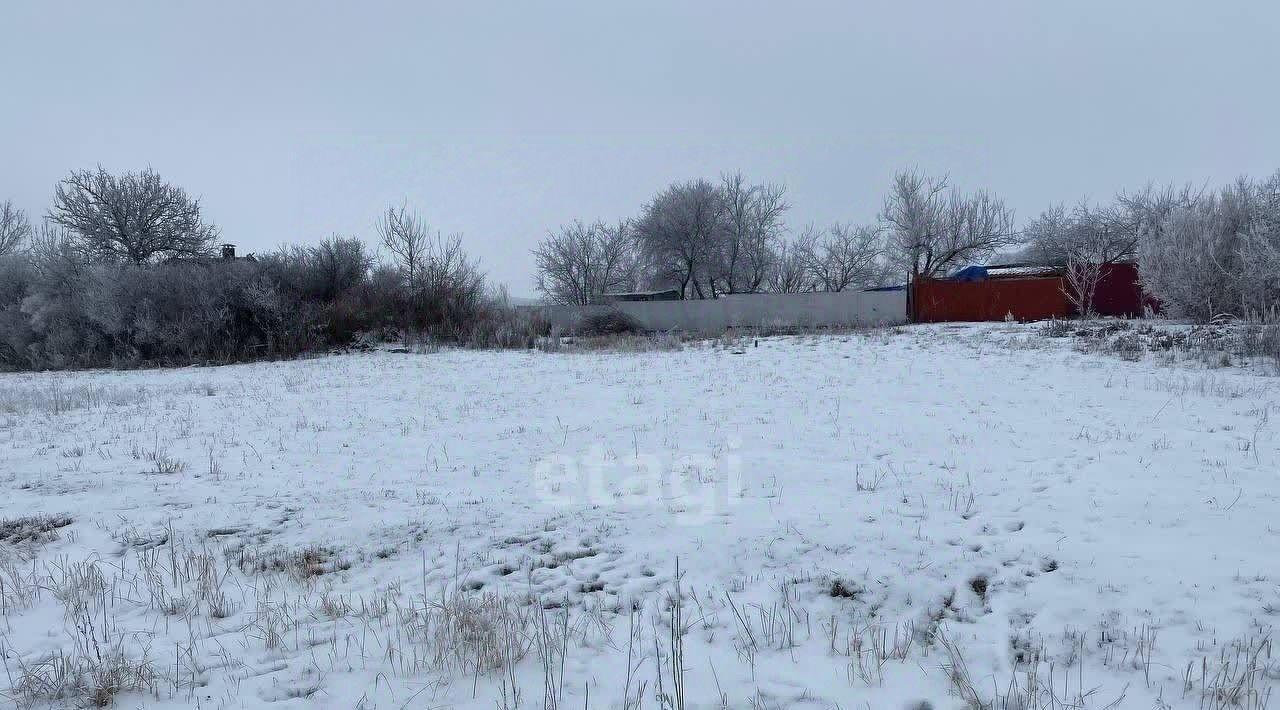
point(933, 516)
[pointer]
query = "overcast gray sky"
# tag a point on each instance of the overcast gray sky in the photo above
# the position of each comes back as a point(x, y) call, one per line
point(295, 120)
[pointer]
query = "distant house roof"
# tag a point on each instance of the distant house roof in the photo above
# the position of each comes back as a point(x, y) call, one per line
point(1014, 271)
point(226, 257)
point(978, 272)
point(672, 294)
point(969, 273)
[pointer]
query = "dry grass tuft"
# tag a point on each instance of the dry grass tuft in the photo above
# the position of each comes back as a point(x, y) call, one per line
point(300, 564)
point(91, 676)
point(40, 528)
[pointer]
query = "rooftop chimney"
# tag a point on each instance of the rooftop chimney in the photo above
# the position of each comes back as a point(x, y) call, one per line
point(229, 252)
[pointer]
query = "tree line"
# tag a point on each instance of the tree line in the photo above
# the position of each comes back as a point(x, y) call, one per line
point(124, 270)
point(706, 239)
point(1201, 253)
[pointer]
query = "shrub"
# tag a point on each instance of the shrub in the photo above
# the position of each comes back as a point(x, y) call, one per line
point(1261, 340)
point(502, 326)
point(610, 322)
point(1128, 346)
point(1055, 328)
point(59, 309)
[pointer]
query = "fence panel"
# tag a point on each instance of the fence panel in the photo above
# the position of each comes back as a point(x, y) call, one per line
point(783, 310)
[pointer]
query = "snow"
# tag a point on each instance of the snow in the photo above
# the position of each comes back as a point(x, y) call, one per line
point(976, 487)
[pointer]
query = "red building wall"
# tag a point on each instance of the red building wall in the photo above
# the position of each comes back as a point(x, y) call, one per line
point(1027, 299)
point(1120, 294)
point(1038, 298)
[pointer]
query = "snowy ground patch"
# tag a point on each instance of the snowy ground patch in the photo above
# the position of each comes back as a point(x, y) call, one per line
point(934, 516)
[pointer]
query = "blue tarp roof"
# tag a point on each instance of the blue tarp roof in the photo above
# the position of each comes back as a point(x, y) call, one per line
point(969, 273)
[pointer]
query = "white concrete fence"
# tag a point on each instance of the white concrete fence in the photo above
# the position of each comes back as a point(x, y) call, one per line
point(748, 310)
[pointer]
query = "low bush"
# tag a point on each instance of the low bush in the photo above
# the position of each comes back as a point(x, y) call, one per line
point(62, 309)
point(1055, 328)
point(610, 322)
point(1261, 340)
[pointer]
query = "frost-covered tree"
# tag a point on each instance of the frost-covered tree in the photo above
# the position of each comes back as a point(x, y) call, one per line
point(1104, 233)
point(579, 262)
point(913, 212)
point(320, 273)
point(752, 228)
point(845, 256)
point(1058, 234)
point(1082, 241)
point(1180, 266)
point(1142, 214)
point(1217, 254)
point(679, 233)
point(15, 228)
point(789, 273)
point(933, 228)
point(135, 217)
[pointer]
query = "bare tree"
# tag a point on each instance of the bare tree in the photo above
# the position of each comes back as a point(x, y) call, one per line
point(407, 237)
point(1049, 236)
point(449, 268)
point(752, 228)
point(581, 261)
point(1084, 271)
point(843, 257)
point(913, 212)
point(789, 273)
point(1083, 241)
point(451, 289)
point(339, 263)
point(443, 288)
point(932, 229)
point(135, 217)
point(15, 228)
point(320, 273)
point(975, 227)
point(679, 235)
